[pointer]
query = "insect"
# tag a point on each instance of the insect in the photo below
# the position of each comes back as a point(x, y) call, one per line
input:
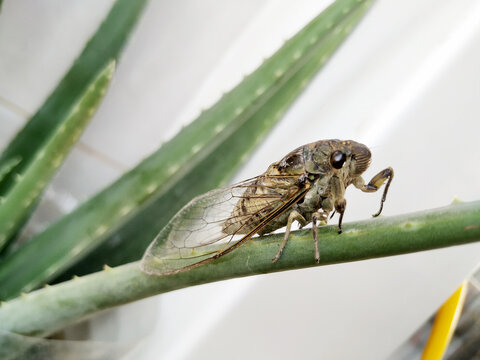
point(307, 185)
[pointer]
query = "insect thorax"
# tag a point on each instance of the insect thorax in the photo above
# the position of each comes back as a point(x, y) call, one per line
point(281, 180)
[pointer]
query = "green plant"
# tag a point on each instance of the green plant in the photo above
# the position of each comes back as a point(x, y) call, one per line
point(47, 310)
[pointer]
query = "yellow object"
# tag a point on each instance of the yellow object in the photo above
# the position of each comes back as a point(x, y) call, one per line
point(445, 323)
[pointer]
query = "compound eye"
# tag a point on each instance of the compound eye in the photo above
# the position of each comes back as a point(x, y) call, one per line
point(337, 159)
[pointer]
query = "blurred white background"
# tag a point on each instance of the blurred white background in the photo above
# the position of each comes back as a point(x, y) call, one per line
point(406, 83)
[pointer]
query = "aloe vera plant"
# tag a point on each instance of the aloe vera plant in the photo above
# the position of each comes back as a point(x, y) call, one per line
point(125, 216)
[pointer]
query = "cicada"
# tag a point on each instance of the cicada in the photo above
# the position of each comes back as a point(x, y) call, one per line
point(307, 185)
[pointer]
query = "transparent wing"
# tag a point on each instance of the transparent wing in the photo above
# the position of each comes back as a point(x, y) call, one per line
point(213, 223)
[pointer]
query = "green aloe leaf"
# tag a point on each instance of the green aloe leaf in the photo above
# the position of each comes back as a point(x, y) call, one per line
point(32, 179)
point(30, 160)
point(44, 311)
point(126, 216)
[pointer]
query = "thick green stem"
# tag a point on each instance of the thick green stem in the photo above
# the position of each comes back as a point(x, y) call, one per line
point(47, 310)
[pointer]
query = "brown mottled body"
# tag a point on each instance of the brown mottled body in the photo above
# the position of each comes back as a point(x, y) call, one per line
point(326, 167)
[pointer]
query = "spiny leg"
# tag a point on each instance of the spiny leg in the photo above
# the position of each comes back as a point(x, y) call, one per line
point(374, 184)
point(337, 189)
point(294, 215)
point(323, 217)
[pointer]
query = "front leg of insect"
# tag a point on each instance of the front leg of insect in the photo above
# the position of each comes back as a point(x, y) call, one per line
point(374, 184)
point(337, 189)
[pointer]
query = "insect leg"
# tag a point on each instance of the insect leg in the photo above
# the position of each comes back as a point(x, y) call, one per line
point(323, 217)
point(327, 207)
point(338, 191)
point(340, 208)
point(294, 215)
point(374, 184)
